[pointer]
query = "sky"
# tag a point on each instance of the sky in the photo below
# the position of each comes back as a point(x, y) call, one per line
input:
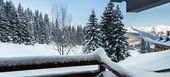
point(81, 10)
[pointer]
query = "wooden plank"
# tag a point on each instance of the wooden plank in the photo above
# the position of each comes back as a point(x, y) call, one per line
point(140, 5)
point(85, 74)
point(46, 65)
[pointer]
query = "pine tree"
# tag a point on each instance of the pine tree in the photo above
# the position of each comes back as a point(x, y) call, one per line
point(74, 36)
point(47, 28)
point(36, 26)
point(41, 30)
point(145, 47)
point(4, 23)
point(29, 20)
point(1, 2)
point(107, 28)
point(13, 21)
point(24, 35)
point(56, 32)
point(91, 34)
point(79, 35)
point(121, 44)
point(113, 39)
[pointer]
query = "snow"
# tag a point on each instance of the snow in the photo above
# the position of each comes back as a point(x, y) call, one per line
point(158, 29)
point(134, 52)
point(10, 61)
point(135, 35)
point(144, 65)
point(139, 65)
point(106, 74)
point(16, 50)
point(50, 71)
point(161, 42)
point(106, 60)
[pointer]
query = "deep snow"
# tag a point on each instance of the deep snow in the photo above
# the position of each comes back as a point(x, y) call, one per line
point(99, 55)
point(141, 65)
point(144, 65)
point(16, 50)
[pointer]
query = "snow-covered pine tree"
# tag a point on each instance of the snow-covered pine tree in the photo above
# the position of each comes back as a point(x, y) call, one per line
point(145, 47)
point(56, 32)
point(142, 46)
point(36, 26)
point(121, 45)
point(4, 23)
point(107, 28)
point(23, 31)
point(91, 34)
point(1, 2)
point(29, 19)
point(73, 36)
point(79, 35)
point(13, 21)
point(42, 30)
point(112, 31)
point(47, 28)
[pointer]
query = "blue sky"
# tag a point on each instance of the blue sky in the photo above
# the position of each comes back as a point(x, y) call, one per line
point(81, 9)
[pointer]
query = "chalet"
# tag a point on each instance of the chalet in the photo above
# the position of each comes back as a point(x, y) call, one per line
point(163, 43)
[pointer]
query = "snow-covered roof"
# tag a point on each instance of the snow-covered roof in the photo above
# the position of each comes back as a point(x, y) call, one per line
point(161, 42)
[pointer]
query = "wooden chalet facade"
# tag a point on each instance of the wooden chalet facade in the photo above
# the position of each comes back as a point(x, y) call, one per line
point(160, 47)
point(163, 43)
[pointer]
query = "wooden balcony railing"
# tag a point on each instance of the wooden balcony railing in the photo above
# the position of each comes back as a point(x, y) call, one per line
point(99, 58)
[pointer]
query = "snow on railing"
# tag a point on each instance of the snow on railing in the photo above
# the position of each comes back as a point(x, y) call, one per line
point(99, 57)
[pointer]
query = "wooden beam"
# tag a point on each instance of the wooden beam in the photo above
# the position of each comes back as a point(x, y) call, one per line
point(46, 65)
point(140, 5)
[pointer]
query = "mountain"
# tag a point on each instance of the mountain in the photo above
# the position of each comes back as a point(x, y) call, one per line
point(156, 30)
point(135, 35)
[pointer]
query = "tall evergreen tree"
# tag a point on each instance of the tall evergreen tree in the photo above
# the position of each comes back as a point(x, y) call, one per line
point(91, 34)
point(23, 31)
point(107, 28)
point(29, 20)
point(36, 26)
point(144, 47)
point(4, 23)
point(13, 21)
point(1, 2)
point(113, 40)
point(47, 29)
point(121, 44)
point(42, 30)
point(79, 35)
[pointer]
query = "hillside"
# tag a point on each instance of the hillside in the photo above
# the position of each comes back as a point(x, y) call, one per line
point(159, 29)
point(135, 35)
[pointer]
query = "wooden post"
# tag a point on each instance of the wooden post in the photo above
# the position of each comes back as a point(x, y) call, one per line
point(101, 68)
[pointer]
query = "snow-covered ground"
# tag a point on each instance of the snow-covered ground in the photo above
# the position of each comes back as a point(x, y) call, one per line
point(99, 55)
point(144, 65)
point(15, 50)
point(141, 65)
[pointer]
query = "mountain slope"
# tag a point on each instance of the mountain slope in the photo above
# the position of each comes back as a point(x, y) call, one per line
point(134, 35)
